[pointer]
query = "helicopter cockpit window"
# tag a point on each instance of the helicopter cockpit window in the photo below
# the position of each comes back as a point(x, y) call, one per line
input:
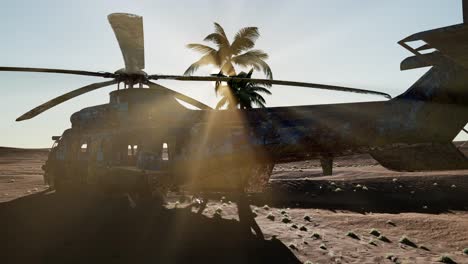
point(165, 152)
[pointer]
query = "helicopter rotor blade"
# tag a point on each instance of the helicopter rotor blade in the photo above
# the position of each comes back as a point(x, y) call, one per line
point(63, 71)
point(268, 82)
point(180, 96)
point(62, 98)
point(128, 30)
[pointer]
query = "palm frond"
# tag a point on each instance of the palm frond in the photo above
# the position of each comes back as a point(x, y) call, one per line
point(222, 89)
point(260, 54)
point(259, 103)
point(251, 59)
point(228, 68)
point(200, 48)
point(244, 39)
point(257, 99)
point(224, 48)
point(218, 83)
point(266, 69)
point(259, 89)
point(217, 39)
point(249, 74)
point(210, 58)
point(220, 30)
point(221, 102)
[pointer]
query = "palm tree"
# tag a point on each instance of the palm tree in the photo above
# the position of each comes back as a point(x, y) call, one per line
point(241, 93)
point(227, 55)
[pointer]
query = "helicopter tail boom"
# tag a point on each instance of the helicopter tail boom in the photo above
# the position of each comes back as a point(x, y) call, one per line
point(433, 111)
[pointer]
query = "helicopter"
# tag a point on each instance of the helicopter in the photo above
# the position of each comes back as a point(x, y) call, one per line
point(145, 141)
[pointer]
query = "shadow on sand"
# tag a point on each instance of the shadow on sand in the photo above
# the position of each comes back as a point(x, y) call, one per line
point(52, 228)
point(384, 196)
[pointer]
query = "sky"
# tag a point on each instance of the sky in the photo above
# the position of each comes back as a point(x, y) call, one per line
point(341, 42)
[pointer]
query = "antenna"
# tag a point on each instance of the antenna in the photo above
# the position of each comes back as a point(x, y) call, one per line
point(465, 11)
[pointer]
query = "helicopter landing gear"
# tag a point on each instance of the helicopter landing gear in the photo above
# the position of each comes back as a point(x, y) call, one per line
point(246, 216)
point(327, 165)
point(147, 194)
point(258, 177)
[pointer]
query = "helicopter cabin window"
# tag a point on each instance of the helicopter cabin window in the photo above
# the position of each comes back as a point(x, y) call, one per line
point(84, 148)
point(132, 150)
point(165, 152)
point(132, 154)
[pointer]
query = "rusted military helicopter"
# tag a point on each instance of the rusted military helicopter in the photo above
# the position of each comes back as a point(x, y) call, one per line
point(145, 140)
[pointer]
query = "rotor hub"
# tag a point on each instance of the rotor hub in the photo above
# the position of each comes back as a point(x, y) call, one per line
point(131, 78)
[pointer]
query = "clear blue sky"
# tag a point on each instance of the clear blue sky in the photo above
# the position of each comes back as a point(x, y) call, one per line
point(340, 42)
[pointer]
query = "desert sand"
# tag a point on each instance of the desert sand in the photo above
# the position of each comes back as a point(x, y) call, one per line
point(430, 209)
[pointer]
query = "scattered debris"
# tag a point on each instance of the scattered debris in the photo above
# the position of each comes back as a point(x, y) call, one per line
point(383, 238)
point(406, 241)
point(375, 232)
point(372, 242)
point(446, 259)
point(271, 217)
point(293, 246)
point(223, 199)
point(392, 258)
point(352, 235)
point(424, 248)
point(316, 235)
